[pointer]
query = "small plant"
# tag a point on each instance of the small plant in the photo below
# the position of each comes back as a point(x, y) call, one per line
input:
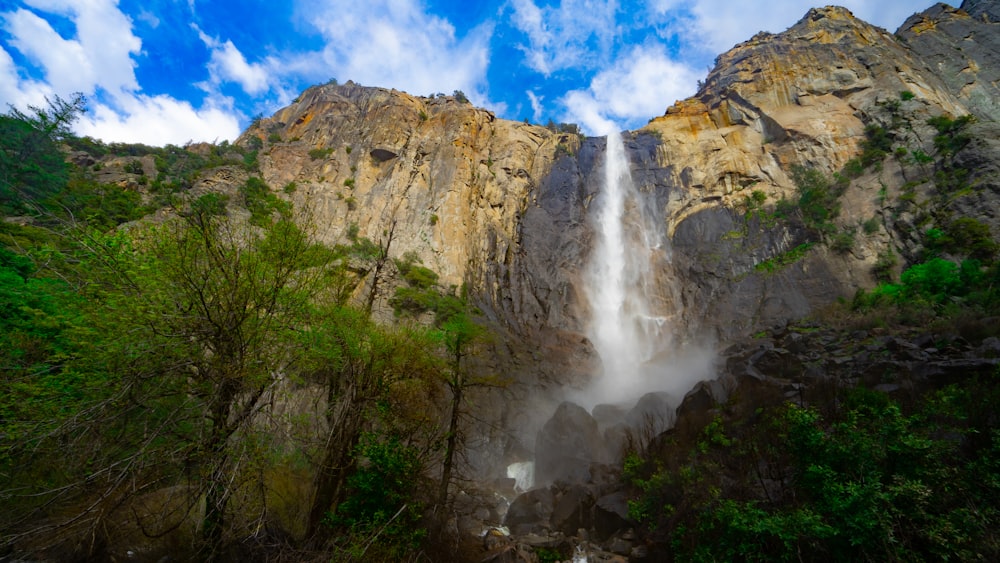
point(842, 242)
point(352, 203)
point(348, 149)
point(906, 95)
point(274, 137)
point(423, 115)
point(135, 167)
point(349, 183)
point(289, 188)
point(871, 226)
point(319, 154)
point(434, 219)
point(920, 157)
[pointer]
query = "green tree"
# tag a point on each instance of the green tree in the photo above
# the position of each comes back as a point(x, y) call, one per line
point(359, 363)
point(31, 165)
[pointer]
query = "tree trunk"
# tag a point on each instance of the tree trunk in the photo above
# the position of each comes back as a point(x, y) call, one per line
point(452, 444)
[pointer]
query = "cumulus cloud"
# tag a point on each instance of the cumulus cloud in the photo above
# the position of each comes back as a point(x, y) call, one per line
point(97, 60)
point(227, 63)
point(572, 34)
point(159, 120)
point(17, 91)
point(640, 84)
point(395, 43)
point(715, 26)
point(99, 55)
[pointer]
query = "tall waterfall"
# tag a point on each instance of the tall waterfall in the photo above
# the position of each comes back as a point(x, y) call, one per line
point(629, 325)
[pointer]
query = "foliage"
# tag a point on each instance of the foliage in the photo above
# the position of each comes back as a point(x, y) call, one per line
point(963, 236)
point(381, 495)
point(320, 153)
point(31, 165)
point(951, 137)
point(862, 482)
point(422, 294)
point(261, 201)
point(778, 262)
point(818, 199)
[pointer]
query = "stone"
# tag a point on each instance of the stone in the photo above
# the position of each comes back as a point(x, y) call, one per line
point(573, 510)
point(566, 446)
point(610, 514)
point(530, 512)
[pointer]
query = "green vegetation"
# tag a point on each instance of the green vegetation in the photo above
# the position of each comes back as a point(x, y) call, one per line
point(319, 153)
point(778, 262)
point(861, 480)
point(142, 363)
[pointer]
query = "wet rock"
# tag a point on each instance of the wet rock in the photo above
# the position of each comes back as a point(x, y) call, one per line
point(573, 510)
point(567, 445)
point(652, 414)
point(610, 514)
point(619, 546)
point(608, 415)
point(530, 512)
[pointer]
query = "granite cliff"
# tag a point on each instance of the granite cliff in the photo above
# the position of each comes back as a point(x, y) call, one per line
point(502, 206)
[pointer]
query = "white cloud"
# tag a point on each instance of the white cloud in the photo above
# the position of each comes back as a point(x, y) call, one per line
point(98, 56)
point(536, 105)
point(97, 60)
point(394, 43)
point(573, 34)
point(715, 26)
point(228, 63)
point(158, 120)
point(640, 84)
point(17, 91)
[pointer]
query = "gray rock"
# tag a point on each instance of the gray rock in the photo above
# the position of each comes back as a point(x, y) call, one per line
point(530, 512)
point(566, 446)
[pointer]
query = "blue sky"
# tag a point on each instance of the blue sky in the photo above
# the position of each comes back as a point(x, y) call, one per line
point(173, 71)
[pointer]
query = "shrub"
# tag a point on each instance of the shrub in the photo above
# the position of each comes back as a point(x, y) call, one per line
point(842, 242)
point(319, 154)
point(381, 498)
point(950, 138)
point(871, 226)
point(906, 95)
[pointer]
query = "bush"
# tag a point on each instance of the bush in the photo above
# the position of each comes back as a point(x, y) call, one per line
point(382, 496)
point(319, 154)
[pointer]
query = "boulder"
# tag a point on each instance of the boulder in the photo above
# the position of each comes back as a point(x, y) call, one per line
point(566, 446)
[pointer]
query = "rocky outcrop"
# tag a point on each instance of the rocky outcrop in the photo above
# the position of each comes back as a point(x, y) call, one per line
point(962, 46)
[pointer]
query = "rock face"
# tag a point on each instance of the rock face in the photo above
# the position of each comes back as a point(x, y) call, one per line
point(504, 207)
point(963, 47)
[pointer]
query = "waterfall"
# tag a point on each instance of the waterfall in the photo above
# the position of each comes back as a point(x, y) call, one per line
point(628, 327)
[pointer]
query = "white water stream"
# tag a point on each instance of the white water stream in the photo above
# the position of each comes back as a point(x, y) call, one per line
point(629, 327)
